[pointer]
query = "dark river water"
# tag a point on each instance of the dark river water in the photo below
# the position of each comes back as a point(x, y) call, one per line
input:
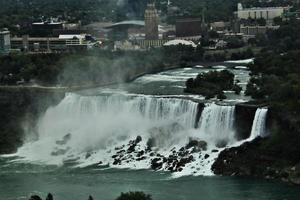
point(18, 180)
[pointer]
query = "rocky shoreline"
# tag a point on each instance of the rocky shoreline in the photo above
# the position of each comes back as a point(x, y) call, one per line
point(248, 160)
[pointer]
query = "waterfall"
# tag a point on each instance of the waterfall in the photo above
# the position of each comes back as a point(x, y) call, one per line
point(81, 124)
point(259, 123)
point(85, 130)
point(216, 123)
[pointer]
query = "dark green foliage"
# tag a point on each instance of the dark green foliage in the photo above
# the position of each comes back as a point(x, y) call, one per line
point(234, 42)
point(242, 55)
point(212, 83)
point(286, 38)
point(134, 196)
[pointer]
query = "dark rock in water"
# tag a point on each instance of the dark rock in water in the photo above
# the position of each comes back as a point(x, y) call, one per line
point(64, 140)
point(117, 162)
point(114, 156)
point(87, 155)
point(35, 197)
point(140, 153)
point(156, 164)
point(152, 154)
point(49, 196)
point(138, 139)
point(131, 148)
point(59, 152)
point(150, 143)
point(90, 198)
point(197, 144)
point(214, 150)
point(121, 151)
point(206, 156)
point(141, 158)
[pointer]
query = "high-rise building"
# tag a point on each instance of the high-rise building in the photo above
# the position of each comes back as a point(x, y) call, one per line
point(151, 21)
point(4, 41)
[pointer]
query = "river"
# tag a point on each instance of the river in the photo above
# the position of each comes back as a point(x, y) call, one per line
point(82, 146)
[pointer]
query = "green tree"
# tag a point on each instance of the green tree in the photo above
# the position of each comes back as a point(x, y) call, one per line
point(134, 196)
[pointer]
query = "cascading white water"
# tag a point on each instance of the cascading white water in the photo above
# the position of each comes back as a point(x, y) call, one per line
point(216, 123)
point(89, 129)
point(259, 123)
point(81, 124)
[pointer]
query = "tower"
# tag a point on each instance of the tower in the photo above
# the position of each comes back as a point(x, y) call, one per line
point(151, 21)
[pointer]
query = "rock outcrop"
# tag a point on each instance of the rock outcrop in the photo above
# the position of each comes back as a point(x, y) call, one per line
point(250, 159)
point(19, 108)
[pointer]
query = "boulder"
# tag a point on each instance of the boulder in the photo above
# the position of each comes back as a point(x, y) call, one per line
point(35, 197)
point(156, 164)
point(138, 139)
point(197, 144)
point(49, 196)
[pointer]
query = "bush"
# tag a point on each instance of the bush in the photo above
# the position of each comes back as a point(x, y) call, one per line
point(134, 196)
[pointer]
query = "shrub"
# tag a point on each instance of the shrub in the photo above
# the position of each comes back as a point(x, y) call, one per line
point(134, 196)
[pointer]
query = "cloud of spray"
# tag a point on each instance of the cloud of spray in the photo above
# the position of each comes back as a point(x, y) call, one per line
point(108, 67)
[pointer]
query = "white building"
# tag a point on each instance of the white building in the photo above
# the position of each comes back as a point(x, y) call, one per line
point(5, 42)
point(268, 13)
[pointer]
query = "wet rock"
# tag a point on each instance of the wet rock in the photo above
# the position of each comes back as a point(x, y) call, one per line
point(49, 196)
point(64, 140)
point(215, 151)
point(131, 148)
point(87, 155)
point(206, 156)
point(138, 139)
point(121, 151)
point(150, 143)
point(197, 144)
point(114, 156)
point(140, 153)
point(117, 162)
point(141, 158)
point(156, 164)
point(152, 154)
point(35, 197)
point(60, 152)
point(90, 198)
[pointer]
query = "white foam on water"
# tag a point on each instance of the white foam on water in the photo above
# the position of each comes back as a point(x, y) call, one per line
point(245, 61)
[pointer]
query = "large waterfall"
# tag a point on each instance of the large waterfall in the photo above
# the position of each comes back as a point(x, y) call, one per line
point(117, 129)
point(259, 123)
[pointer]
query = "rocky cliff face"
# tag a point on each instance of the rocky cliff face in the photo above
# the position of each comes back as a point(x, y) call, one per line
point(244, 115)
point(20, 105)
point(275, 157)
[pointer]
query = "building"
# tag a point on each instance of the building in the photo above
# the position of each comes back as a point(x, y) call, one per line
point(45, 29)
point(5, 42)
point(268, 13)
point(120, 30)
point(53, 44)
point(151, 22)
point(254, 30)
point(189, 28)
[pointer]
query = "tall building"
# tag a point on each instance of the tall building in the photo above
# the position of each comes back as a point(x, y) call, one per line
point(151, 21)
point(4, 42)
